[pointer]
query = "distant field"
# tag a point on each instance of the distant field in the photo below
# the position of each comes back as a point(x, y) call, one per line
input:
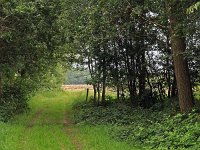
point(76, 87)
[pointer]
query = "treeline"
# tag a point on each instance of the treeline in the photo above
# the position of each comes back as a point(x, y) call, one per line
point(148, 48)
point(31, 51)
point(77, 77)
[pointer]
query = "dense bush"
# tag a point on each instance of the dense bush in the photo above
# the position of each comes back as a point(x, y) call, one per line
point(13, 101)
point(152, 128)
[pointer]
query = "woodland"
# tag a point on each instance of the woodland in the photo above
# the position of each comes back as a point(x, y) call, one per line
point(142, 58)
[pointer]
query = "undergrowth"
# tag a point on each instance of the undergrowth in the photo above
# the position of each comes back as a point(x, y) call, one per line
point(13, 101)
point(149, 128)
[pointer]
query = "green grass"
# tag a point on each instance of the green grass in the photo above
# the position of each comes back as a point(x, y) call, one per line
point(98, 138)
point(48, 131)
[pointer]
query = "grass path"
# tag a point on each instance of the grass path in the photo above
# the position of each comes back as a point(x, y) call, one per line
point(48, 126)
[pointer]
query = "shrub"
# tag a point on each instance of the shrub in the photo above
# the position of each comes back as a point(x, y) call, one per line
point(13, 101)
point(152, 128)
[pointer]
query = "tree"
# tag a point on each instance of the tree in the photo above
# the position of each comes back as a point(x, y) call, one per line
point(31, 38)
point(186, 101)
point(127, 46)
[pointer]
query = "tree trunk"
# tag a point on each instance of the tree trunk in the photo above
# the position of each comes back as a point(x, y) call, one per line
point(132, 91)
point(103, 93)
point(169, 84)
point(174, 88)
point(118, 92)
point(117, 82)
point(104, 74)
point(87, 93)
point(99, 95)
point(142, 74)
point(103, 99)
point(1, 88)
point(168, 73)
point(95, 93)
point(142, 48)
point(186, 101)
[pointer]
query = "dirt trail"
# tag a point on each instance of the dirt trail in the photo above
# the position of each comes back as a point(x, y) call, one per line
point(52, 122)
point(62, 146)
point(28, 127)
point(71, 132)
point(31, 123)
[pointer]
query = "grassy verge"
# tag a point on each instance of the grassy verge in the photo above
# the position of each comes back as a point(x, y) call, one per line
point(98, 138)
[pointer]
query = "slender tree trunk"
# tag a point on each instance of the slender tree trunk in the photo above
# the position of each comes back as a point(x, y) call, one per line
point(95, 93)
point(104, 74)
point(152, 100)
point(148, 81)
point(142, 64)
point(99, 95)
point(1, 88)
point(87, 93)
point(130, 67)
point(168, 73)
point(169, 84)
point(168, 78)
point(103, 99)
point(118, 92)
point(91, 70)
point(174, 88)
point(103, 93)
point(132, 91)
point(117, 73)
point(186, 101)
point(142, 74)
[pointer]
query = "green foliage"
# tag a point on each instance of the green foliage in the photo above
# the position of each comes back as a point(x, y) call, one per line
point(197, 95)
point(153, 129)
point(13, 101)
point(194, 7)
point(31, 54)
point(53, 79)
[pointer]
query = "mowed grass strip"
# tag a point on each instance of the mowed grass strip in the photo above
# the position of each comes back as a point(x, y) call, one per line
point(46, 130)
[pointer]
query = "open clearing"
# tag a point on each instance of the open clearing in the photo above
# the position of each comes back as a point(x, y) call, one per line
point(49, 126)
point(79, 87)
